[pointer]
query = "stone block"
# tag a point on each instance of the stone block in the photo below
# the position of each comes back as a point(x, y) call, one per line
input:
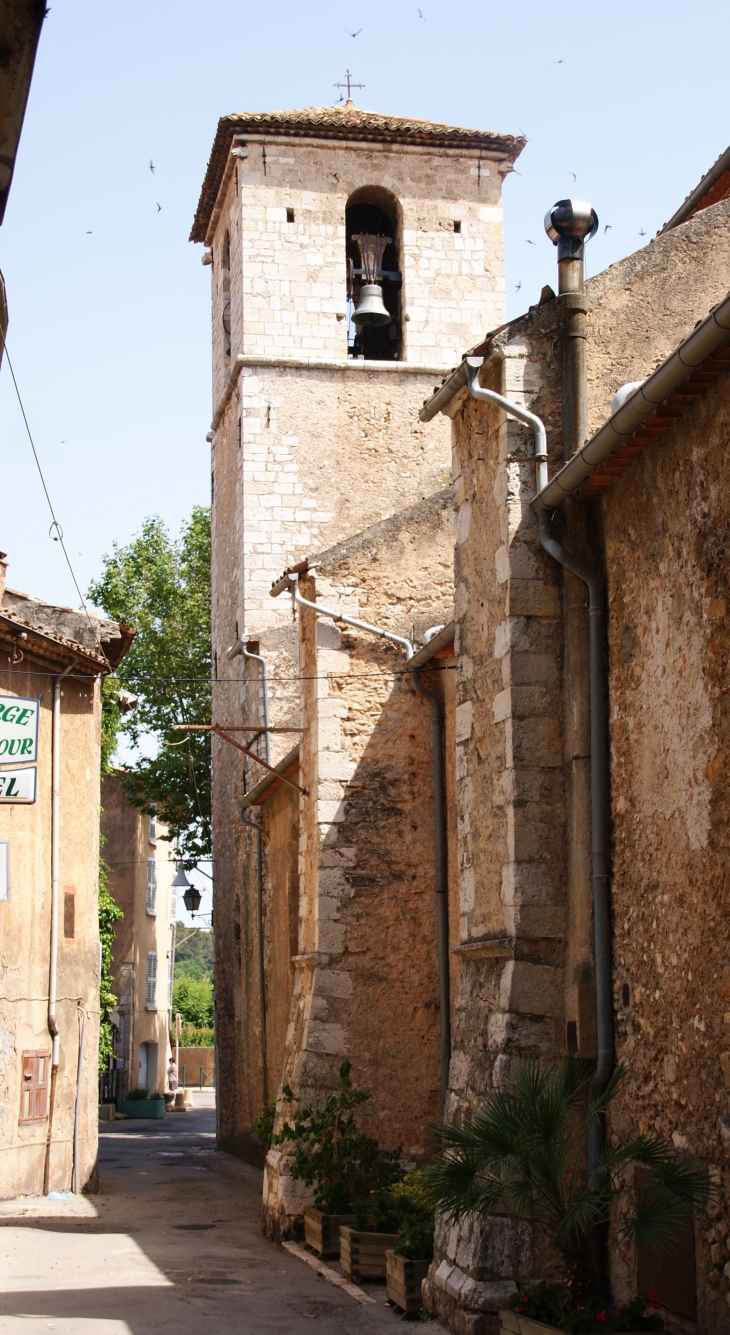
point(535, 741)
point(329, 1038)
point(532, 598)
point(531, 989)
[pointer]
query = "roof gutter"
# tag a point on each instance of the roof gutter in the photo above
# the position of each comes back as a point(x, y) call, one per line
point(693, 201)
point(444, 395)
point(701, 343)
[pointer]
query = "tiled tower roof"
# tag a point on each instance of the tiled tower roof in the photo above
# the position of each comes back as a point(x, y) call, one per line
point(339, 122)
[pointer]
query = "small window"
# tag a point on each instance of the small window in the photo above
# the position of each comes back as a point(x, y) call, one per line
point(151, 980)
point(34, 1087)
point(69, 914)
point(152, 836)
point(457, 225)
point(290, 215)
point(151, 885)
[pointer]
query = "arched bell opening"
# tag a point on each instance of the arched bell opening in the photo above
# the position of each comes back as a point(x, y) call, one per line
point(374, 275)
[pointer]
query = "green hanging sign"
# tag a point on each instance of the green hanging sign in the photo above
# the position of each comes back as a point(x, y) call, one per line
point(18, 729)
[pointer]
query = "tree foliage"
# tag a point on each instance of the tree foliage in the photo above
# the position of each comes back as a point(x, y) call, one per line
point(192, 998)
point(194, 956)
point(524, 1154)
point(161, 588)
point(109, 914)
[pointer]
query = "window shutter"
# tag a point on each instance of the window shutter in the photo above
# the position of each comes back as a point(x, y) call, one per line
point(170, 966)
point(152, 835)
point(152, 979)
point(34, 1086)
point(151, 885)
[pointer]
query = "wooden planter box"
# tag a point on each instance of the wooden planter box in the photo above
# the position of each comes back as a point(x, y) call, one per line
point(322, 1231)
point(362, 1254)
point(403, 1280)
point(511, 1323)
point(144, 1107)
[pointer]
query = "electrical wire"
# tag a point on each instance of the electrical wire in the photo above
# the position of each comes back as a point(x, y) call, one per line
point(55, 523)
point(226, 681)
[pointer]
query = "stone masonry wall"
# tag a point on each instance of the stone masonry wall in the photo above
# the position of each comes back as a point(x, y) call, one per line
point(522, 711)
point(367, 985)
point(667, 530)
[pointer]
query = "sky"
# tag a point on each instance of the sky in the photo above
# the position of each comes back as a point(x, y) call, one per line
point(109, 302)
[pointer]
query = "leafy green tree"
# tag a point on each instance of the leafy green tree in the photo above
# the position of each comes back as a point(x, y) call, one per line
point(193, 954)
point(524, 1154)
point(192, 998)
point(161, 588)
point(109, 911)
point(109, 914)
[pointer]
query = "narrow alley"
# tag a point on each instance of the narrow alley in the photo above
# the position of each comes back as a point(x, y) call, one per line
point(172, 1243)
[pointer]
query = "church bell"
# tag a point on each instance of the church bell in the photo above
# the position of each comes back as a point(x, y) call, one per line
point(371, 310)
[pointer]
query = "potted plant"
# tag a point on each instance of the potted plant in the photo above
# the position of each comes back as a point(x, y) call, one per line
point(344, 1166)
point(139, 1103)
point(406, 1264)
point(523, 1154)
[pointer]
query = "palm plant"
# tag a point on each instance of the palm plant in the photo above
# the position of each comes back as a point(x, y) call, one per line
point(524, 1154)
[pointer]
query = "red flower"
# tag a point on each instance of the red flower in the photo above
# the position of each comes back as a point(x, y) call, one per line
point(601, 1316)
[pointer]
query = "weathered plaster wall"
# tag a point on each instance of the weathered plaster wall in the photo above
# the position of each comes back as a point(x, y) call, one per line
point(367, 985)
point(25, 926)
point(666, 530)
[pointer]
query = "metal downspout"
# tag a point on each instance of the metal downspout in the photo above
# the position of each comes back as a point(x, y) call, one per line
point(599, 755)
point(599, 820)
point(259, 658)
point(442, 884)
point(77, 1107)
point(348, 620)
point(569, 224)
point(53, 963)
point(260, 933)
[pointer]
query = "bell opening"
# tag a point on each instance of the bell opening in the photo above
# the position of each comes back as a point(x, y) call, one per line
point(374, 324)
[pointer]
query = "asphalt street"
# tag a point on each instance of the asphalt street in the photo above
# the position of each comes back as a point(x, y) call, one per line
point(171, 1244)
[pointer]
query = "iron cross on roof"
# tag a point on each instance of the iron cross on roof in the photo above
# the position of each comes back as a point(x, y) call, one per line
point(349, 85)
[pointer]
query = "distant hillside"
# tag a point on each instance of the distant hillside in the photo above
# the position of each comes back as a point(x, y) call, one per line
point(194, 958)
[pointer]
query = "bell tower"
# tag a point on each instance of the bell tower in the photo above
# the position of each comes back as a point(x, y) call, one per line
point(354, 257)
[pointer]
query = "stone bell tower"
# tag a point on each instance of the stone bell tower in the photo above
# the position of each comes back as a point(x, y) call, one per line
point(315, 423)
point(354, 257)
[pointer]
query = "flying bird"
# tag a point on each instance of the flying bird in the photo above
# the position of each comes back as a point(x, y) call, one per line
point(575, 178)
point(607, 228)
point(642, 232)
point(89, 233)
point(519, 285)
point(356, 34)
point(420, 15)
point(529, 242)
point(152, 165)
point(559, 62)
point(159, 208)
